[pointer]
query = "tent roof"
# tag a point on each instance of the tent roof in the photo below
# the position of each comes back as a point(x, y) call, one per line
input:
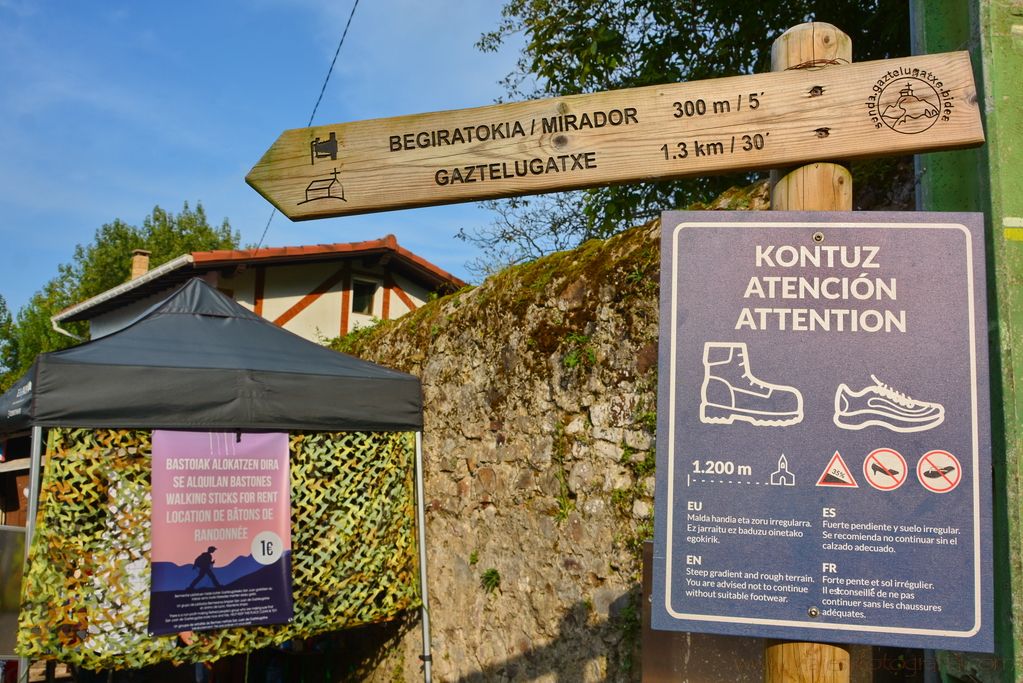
point(198, 360)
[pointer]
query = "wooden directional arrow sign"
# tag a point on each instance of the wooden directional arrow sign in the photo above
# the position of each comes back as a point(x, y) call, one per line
point(888, 107)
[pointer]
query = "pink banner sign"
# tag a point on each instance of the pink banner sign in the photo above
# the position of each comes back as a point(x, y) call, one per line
point(221, 531)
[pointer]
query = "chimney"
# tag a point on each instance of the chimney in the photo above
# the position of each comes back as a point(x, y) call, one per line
point(139, 263)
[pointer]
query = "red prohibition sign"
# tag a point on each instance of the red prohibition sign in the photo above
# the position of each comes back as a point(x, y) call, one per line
point(885, 469)
point(939, 471)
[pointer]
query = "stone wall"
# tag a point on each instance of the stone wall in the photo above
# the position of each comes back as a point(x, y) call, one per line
point(540, 406)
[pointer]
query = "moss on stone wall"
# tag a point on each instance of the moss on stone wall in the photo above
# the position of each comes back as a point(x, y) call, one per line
point(540, 407)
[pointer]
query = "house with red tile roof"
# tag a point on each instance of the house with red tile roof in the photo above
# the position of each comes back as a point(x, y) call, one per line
point(316, 291)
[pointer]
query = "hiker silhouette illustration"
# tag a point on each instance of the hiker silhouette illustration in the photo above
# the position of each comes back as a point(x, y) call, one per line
point(204, 564)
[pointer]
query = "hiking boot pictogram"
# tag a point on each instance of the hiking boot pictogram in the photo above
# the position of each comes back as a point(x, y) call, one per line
point(879, 405)
point(731, 392)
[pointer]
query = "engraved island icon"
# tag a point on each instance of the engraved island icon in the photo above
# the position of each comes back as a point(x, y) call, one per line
point(909, 105)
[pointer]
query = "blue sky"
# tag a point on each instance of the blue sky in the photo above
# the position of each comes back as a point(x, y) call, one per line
point(110, 108)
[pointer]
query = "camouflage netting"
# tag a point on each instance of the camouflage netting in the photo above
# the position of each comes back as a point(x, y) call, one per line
point(85, 597)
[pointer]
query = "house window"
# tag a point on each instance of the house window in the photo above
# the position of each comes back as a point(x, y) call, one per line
point(362, 296)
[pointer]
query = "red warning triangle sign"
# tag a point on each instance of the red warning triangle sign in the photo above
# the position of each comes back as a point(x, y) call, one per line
point(837, 473)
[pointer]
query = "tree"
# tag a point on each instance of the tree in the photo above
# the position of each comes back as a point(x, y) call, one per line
point(98, 266)
point(580, 46)
point(106, 262)
point(31, 332)
point(525, 228)
point(7, 357)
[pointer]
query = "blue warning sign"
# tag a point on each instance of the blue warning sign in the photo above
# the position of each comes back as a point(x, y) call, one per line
point(823, 445)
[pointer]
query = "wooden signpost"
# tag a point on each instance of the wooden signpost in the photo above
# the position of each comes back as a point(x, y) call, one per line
point(888, 107)
point(764, 121)
point(814, 187)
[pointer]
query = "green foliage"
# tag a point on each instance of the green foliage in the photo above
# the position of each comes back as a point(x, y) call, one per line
point(352, 342)
point(640, 468)
point(490, 580)
point(629, 624)
point(474, 557)
point(106, 262)
point(565, 498)
point(582, 46)
point(31, 332)
point(524, 229)
point(8, 358)
point(621, 501)
point(579, 351)
point(566, 503)
point(647, 420)
point(644, 532)
point(103, 263)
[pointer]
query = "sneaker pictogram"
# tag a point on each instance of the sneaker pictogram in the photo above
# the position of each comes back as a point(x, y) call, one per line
point(879, 405)
point(731, 392)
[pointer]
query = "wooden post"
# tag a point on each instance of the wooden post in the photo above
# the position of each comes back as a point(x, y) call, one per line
point(806, 663)
point(814, 187)
point(819, 186)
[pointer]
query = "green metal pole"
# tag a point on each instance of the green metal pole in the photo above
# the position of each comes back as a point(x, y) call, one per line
point(949, 181)
point(1001, 44)
point(990, 179)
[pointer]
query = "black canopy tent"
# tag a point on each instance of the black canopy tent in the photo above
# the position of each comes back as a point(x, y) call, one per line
point(199, 360)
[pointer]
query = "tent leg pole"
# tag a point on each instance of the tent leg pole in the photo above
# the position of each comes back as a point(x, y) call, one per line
point(421, 524)
point(35, 467)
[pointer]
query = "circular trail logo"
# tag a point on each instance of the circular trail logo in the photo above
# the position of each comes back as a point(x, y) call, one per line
point(909, 101)
point(909, 105)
